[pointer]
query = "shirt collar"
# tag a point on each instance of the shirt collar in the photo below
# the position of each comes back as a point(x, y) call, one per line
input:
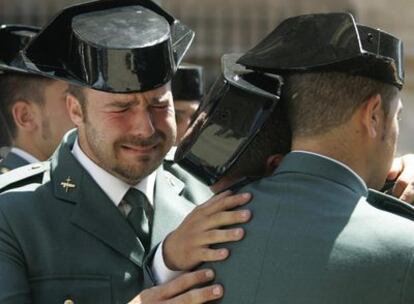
point(337, 162)
point(25, 155)
point(114, 188)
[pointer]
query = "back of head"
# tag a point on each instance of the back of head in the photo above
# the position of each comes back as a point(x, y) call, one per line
point(15, 87)
point(319, 102)
point(342, 83)
point(240, 124)
point(273, 138)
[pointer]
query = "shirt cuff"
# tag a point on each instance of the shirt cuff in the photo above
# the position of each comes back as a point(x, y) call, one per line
point(162, 274)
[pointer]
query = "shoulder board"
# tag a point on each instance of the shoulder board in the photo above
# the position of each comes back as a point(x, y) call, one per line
point(22, 173)
point(391, 204)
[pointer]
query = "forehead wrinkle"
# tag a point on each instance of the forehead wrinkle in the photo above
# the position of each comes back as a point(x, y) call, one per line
point(121, 103)
point(161, 98)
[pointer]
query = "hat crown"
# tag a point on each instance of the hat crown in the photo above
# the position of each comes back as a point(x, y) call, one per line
point(110, 45)
point(329, 42)
point(121, 27)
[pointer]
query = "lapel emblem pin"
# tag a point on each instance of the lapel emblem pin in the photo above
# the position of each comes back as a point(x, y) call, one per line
point(67, 184)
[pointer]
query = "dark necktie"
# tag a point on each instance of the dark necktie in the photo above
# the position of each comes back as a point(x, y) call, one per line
point(141, 215)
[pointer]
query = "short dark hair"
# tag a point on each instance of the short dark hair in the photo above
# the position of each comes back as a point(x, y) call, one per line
point(319, 101)
point(274, 138)
point(18, 86)
point(4, 132)
point(78, 92)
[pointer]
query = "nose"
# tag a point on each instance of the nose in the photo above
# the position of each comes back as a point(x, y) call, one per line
point(143, 124)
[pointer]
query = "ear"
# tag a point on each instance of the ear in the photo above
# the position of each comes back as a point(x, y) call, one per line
point(24, 115)
point(74, 109)
point(272, 163)
point(372, 115)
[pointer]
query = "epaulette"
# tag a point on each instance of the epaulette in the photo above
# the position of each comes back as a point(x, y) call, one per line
point(19, 175)
point(391, 204)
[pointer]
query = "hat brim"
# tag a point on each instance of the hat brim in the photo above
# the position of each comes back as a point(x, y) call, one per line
point(47, 54)
point(219, 124)
point(14, 37)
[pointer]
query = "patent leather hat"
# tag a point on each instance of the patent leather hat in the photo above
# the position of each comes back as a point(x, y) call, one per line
point(111, 45)
point(231, 115)
point(13, 38)
point(329, 42)
point(188, 83)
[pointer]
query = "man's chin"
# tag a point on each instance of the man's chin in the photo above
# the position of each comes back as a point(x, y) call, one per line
point(137, 170)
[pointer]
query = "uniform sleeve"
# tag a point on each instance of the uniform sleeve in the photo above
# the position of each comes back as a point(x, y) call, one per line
point(155, 270)
point(162, 274)
point(14, 286)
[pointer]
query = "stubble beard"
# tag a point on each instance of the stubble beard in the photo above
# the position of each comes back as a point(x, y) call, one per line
point(130, 171)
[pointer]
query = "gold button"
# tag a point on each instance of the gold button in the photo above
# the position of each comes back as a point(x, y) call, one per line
point(69, 301)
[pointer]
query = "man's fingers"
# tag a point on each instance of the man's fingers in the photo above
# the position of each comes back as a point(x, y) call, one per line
point(198, 295)
point(396, 168)
point(212, 255)
point(408, 194)
point(406, 174)
point(227, 203)
point(184, 282)
point(214, 199)
point(404, 180)
point(227, 218)
point(218, 236)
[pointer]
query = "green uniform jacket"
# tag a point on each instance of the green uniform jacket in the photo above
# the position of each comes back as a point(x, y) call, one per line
point(10, 162)
point(62, 243)
point(315, 239)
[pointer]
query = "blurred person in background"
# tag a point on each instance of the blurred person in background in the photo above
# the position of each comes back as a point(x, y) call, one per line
point(187, 88)
point(33, 106)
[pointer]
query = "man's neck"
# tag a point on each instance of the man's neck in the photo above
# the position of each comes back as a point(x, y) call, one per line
point(27, 146)
point(24, 155)
point(343, 151)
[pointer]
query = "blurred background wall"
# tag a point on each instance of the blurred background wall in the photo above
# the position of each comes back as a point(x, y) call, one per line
point(224, 26)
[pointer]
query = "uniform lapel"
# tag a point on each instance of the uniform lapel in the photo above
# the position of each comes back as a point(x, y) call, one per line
point(94, 213)
point(170, 207)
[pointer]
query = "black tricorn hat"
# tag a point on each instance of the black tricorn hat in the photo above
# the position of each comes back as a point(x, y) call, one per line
point(111, 45)
point(329, 42)
point(231, 115)
point(188, 83)
point(13, 38)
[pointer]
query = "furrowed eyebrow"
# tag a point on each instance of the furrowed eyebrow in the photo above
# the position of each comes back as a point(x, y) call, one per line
point(160, 99)
point(121, 104)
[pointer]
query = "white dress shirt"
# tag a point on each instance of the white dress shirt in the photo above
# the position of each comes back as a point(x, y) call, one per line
point(23, 154)
point(116, 189)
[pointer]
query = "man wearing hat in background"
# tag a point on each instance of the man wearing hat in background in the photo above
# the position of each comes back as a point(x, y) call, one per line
point(314, 238)
point(4, 137)
point(187, 88)
point(33, 107)
point(82, 235)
